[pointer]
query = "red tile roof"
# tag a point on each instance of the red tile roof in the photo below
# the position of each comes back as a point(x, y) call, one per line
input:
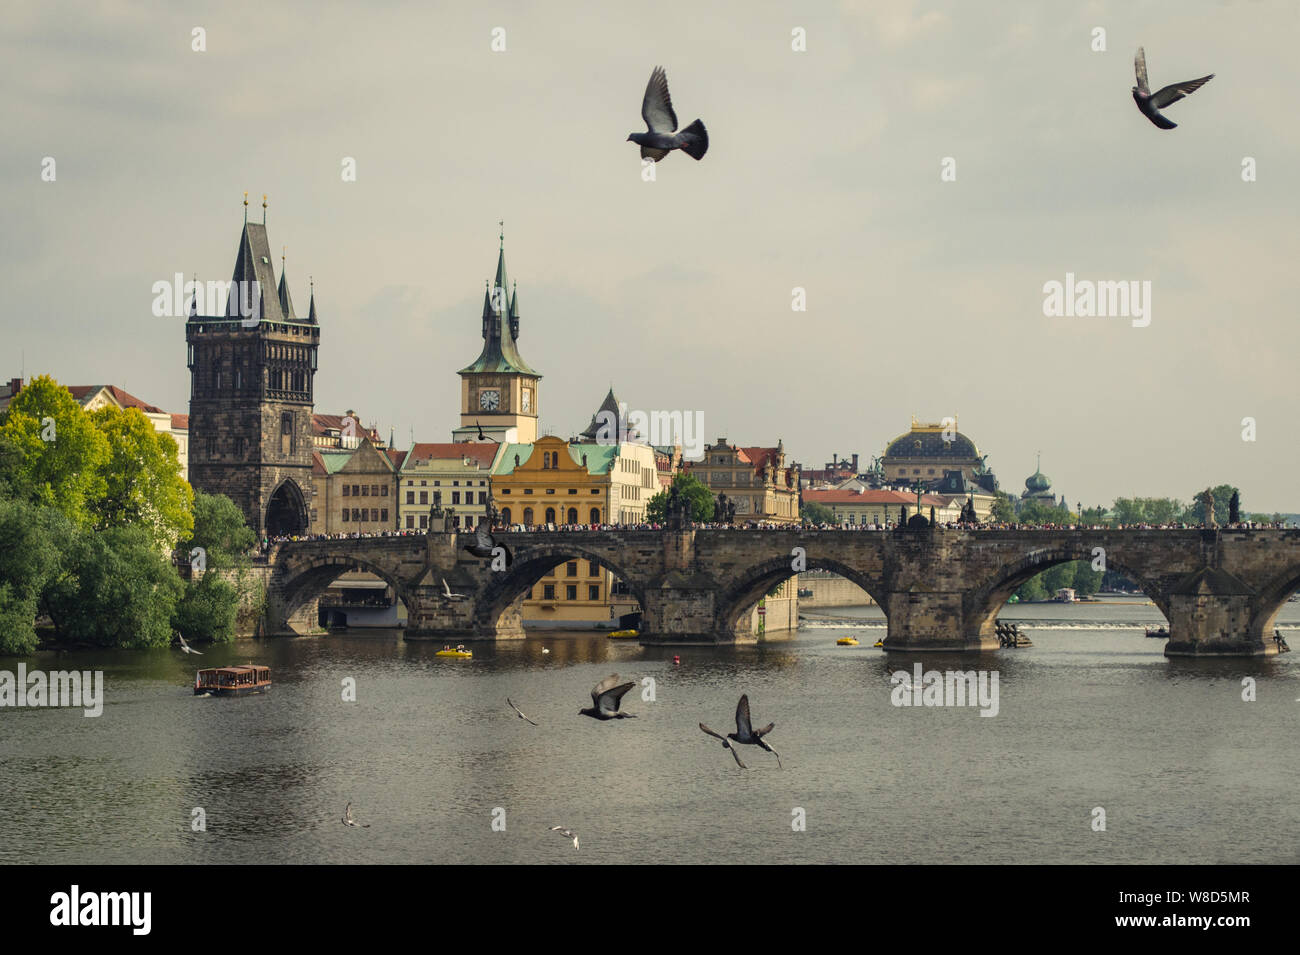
point(836, 496)
point(123, 398)
point(180, 422)
point(475, 451)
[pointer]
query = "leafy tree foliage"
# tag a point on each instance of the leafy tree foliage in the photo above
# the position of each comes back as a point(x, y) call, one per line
point(699, 500)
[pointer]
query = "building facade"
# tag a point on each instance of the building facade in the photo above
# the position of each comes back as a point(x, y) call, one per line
point(925, 452)
point(757, 480)
point(458, 475)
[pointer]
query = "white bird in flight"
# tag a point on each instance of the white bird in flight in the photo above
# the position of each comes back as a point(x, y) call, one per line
point(567, 833)
point(519, 711)
point(187, 648)
point(446, 592)
point(349, 821)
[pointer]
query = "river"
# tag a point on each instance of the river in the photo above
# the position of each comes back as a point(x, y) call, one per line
point(1093, 715)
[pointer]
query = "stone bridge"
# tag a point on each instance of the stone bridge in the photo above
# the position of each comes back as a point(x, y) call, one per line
point(940, 588)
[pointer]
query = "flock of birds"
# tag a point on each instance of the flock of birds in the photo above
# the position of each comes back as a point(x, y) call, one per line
point(606, 700)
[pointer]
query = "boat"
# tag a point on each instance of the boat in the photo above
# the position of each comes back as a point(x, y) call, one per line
point(847, 642)
point(623, 634)
point(879, 644)
point(1159, 634)
point(232, 681)
point(459, 653)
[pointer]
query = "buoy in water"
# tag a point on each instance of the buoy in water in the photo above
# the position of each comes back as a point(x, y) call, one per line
point(676, 660)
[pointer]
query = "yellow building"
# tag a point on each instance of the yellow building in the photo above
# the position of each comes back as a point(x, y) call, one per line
point(459, 474)
point(756, 480)
point(557, 482)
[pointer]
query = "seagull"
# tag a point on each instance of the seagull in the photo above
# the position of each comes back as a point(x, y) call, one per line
point(519, 711)
point(661, 121)
point(349, 821)
point(605, 697)
point(187, 648)
point(448, 595)
point(745, 733)
point(1150, 104)
point(545, 650)
point(485, 543)
point(567, 833)
point(725, 745)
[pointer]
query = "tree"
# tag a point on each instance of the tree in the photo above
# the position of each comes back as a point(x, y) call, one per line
point(207, 610)
point(142, 485)
point(698, 498)
point(1222, 495)
point(53, 454)
point(220, 529)
point(1004, 509)
point(117, 591)
point(30, 556)
point(209, 607)
point(815, 513)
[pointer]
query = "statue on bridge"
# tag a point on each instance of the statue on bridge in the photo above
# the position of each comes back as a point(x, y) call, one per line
point(1234, 508)
point(725, 511)
point(1206, 498)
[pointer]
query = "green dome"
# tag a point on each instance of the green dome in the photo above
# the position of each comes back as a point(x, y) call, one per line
point(1037, 482)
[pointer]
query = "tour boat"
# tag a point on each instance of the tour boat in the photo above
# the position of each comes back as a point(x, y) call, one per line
point(232, 681)
point(623, 634)
point(847, 641)
point(459, 653)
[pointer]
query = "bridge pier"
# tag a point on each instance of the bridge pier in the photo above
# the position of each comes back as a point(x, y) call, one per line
point(932, 621)
point(681, 610)
point(1210, 615)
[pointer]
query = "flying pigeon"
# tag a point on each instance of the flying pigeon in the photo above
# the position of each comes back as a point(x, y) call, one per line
point(745, 732)
point(448, 595)
point(725, 745)
point(187, 648)
point(519, 711)
point(661, 121)
point(485, 543)
point(1150, 104)
point(605, 697)
point(349, 821)
point(567, 833)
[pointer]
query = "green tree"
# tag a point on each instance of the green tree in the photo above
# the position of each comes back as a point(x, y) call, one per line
point(142, 485)
point(207, 610)
point(815, 513)
point(52, 452)
point(220, 529)
point(30, 556)
point(209, 607)
point(699, 500)
point(117, 590)
point(1004, 509)
point(1222, 494)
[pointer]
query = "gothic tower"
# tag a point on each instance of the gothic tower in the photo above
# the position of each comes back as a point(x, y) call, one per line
point(251, 393)
point(499, 390)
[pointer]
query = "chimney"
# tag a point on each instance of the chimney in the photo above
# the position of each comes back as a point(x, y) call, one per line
point(834, 460)
point(855, 463)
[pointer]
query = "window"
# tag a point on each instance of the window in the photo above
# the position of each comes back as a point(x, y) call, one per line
point(365, 513)
point(528, 490)
point(570, 592)
point(365, 490)
point(571, 569)
point(410, 497)
point(505, 490)
point(345, 515)
point(550, 515)
point(595, 515)
point(482, 497)
point(528, 516)
point(593, 569)
point(505, 516)
point(410, 520)
point(595, 490)
point(384, 492)
point(346, 490)
point(550, 490)
point(356, 513)
point(548, 591)
point(573, 490)
point(424, 497)
point(374, 490)
point(593, 592)
point(455, 497)
point(572, 517)
point(356, 491)
point(424, 521)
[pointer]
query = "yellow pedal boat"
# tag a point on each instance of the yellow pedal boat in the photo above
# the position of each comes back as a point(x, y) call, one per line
point(460, 653)
point(879, 643)
point(847, 641)
point(622, 634)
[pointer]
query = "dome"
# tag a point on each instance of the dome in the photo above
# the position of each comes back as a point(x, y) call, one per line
point(1037, 483)
point(927, 441)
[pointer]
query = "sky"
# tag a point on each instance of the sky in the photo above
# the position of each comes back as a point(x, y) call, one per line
point(924, 297)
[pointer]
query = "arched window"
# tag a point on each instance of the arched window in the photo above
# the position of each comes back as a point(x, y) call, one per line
point(550, 515)
point(528, 516)
point(573, 516)
point(595, 515)
point(505, 516)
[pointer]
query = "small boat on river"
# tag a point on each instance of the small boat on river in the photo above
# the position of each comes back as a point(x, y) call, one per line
point(232, 681)
point(847, 641)
point(459, 653)
point(1158, 633)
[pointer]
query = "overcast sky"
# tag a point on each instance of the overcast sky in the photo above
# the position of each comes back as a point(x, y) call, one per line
point(923, 297)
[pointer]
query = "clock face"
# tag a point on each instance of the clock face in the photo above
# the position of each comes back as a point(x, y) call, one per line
point(527, 399)
point(489, 400)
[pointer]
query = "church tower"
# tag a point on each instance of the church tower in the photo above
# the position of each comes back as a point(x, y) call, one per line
point(251, 393)
point(498, 392)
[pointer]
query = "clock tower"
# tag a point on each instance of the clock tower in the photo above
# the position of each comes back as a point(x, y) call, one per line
point(498, 392)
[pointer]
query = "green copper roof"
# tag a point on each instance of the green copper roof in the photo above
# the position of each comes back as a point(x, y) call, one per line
point(500, 327)
point(600, 457)
point(334, 460)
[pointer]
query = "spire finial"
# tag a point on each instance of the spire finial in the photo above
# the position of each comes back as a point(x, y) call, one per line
point(502, 224)
point(283, 249)
point(245, 207)
point(263, 208)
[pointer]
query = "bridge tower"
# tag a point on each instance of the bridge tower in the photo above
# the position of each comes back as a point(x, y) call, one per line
point(252, 368)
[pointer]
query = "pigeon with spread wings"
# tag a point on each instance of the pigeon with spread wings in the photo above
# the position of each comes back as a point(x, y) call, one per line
point(661, 122)
point(485, 544)
point(1150, 104)
point(745, 733)
point(605, 699)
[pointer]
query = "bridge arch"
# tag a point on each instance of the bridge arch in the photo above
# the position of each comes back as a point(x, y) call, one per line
point(306, 579)
point(286, 510)
point(1270, 600)
point(530, 565)
point(735, 601)
point(983, 604)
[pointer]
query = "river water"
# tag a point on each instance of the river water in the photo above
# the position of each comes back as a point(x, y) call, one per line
point(1092, 716)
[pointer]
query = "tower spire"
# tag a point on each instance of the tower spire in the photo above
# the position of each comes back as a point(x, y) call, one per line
point(245, 207)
